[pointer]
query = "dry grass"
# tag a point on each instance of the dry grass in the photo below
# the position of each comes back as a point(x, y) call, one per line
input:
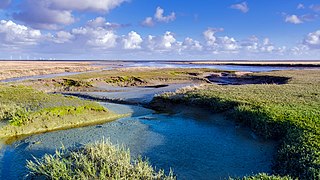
point(13, 69)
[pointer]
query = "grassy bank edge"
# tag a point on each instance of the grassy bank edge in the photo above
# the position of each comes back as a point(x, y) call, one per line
point(296, 157)
point(9, 133)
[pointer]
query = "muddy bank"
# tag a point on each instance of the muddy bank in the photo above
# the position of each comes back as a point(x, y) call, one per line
point(243, 78)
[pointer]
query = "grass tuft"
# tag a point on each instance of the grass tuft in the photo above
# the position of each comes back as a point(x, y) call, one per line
point(100, 160)
point(263, 176)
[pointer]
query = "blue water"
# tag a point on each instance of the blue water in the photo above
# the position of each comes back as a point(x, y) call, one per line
point(221, 67)
point(160, 64)
point(196, 144)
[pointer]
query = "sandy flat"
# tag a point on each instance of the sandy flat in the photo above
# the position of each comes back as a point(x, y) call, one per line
point(13, 69)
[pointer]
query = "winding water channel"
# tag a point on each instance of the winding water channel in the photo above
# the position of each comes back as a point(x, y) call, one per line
point(195, 143)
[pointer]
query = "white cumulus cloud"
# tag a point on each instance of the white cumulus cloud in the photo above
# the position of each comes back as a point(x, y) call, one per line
point(168, 40)
point(210, 36)
point(12, 33)
point(190, 44)
point(313, 40)
point(62, 37)
point(294, 19)
point(101, 38)
point(243, 7)
point(148, 22)
point(159, 16)
point(132, 41)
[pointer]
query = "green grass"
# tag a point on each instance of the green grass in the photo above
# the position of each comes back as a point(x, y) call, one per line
point(24, 110)
point(145, 73)
point(141, 77)
point(263, 176)
point(289, 113)
point(75, 83)
point(101, 160)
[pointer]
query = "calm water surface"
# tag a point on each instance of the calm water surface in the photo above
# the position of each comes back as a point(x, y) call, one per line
point(196, 144)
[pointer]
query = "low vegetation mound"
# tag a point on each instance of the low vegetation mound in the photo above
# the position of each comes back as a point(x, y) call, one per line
point(101, 160)
point(288, 112)
point(125, 77)
point(24, 110)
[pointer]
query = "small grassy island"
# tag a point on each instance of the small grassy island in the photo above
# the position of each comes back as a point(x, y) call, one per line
point(25, 111)
point(123, 77)
point(288, 112)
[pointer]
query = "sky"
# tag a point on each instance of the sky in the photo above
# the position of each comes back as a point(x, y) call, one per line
point(160, 29)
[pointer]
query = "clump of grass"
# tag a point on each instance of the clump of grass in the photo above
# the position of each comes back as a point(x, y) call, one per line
point(263, 176)
point(75, 83)
point(289, 113)
point(100, 160)
point(9, 111)
point(125, 80)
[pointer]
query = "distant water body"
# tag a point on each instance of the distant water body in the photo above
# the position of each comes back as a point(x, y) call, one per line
point(109, 65)
point(209, 66)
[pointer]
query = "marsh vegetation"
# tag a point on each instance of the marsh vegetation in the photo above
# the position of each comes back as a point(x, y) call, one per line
point(100, 160)
point(123, 77)
point(289, 113)
point(280, 105)
point(24, 111)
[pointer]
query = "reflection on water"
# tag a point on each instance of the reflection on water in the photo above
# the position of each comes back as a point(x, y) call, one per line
point(196, 144)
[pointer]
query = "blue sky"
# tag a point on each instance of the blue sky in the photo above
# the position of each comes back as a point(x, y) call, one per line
point(160, 29)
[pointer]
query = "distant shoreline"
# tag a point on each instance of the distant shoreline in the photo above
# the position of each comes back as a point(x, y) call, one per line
point(258, 63)
point(303, 63)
